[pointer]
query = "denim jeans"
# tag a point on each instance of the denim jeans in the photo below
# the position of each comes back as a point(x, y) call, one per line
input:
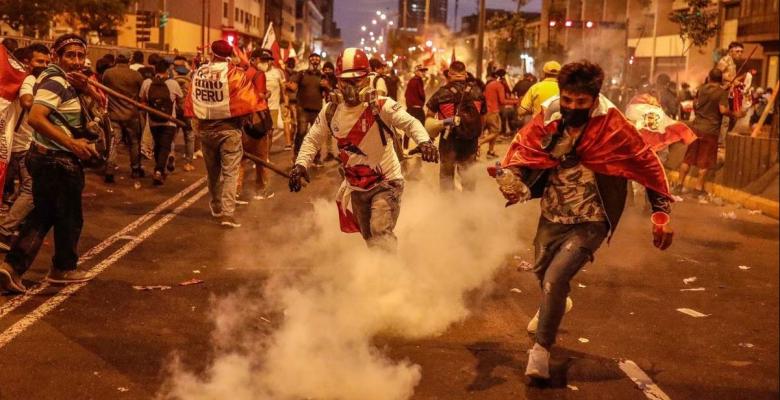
point(222, 152)
point(377, 212)
point(560, 251)
point(163, 139)
point(24, 202)
point(58, 180)
point(132, 130)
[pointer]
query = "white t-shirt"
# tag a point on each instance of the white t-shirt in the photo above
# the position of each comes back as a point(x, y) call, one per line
point(23, 136)
point(136, 67)
point(176, 94)
point(274, 82)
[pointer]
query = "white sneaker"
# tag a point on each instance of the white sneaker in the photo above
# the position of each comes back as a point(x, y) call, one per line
point(538, 363)
point(214, 214)
point(534, 323)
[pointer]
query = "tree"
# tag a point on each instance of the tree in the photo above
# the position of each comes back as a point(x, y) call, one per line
point(698, 23)
point(31, 17)
point(510, 35)
point(102, 16)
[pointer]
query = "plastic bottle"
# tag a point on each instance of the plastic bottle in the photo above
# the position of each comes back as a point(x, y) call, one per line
point(510, 183)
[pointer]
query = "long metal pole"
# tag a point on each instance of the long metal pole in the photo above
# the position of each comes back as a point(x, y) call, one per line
point(112, 92)
point(655, 37)
point(481, 38)
point(203, 26)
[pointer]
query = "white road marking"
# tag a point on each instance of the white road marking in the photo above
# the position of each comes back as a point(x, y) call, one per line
point(17, 301)
point(642, 381)
point(31, 318)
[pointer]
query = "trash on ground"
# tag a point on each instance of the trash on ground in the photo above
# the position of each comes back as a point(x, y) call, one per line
point(692, 313)
point(677, 198)
point(729, 215)
point(264, 319)
point(137, 185)
point(689, 280)
point(696, 289)
point(581, 285)
point(515, 290)
point(123, 389)
point(572, 387)
point(88, 194)
point(747, 345)
point(642, 381)
point(737, 363)
point(744, 267)
point(525, 266)
point(703, 201)
point(755, 212)
point(192, 281)
point(151, 287)
point(583, 340)
point(109, 190)
point(196, 271)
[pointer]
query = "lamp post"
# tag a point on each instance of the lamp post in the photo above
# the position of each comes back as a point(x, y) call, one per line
point(481, 38)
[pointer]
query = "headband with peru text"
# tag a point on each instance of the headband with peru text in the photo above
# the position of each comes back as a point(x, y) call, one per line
point(70, 41)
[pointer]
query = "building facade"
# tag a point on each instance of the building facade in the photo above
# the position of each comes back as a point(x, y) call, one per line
point(412, 13)
point(309, 21)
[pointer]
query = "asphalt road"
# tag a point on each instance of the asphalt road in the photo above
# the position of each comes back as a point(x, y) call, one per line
point(107, 340)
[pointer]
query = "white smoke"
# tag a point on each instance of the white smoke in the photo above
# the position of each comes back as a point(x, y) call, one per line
point(319, 345)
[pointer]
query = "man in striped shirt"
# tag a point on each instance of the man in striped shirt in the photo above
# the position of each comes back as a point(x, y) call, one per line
point(55, 166)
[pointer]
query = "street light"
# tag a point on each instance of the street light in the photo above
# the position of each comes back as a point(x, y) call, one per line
point(383, 17)
point(553, 23)
point(568, 23)
point(391, 23)
point(363, 28)
point(378, 12)
point(373, 21)
point(429, 43)
point(589, 24)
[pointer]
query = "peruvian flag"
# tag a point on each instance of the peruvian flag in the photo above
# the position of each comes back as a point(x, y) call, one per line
point(270, 43)
point(12, 74)
point(655, 127)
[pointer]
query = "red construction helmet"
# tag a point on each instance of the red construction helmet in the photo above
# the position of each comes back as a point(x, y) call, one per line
point(352, 63)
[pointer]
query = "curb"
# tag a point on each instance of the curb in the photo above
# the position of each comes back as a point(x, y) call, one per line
point(766, 206)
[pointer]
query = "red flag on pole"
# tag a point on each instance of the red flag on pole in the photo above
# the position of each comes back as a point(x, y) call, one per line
point(453, 59)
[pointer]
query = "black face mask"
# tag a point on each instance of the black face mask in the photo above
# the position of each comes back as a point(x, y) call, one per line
point(575, 117)
point(37, 71)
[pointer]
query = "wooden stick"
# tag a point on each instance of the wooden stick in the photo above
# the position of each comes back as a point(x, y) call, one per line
point(142, 106)
point(736, 75)
point(767, 109)
point(266, 164)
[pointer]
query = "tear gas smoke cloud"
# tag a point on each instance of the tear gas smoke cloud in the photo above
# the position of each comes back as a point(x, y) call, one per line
point(450, 245)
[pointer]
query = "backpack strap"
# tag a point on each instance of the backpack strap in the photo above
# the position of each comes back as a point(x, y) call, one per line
point(330, 111)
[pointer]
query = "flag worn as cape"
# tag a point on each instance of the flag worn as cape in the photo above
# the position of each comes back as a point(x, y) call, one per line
point(270, 43)
point(12, 74)
point(610, 145)
point(221, 90)
point(655, 127)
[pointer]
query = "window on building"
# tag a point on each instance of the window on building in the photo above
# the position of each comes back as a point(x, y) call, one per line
point(235, 15)
point(224, 10)
point(732, 12)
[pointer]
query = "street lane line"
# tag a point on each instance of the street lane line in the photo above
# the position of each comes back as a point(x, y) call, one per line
point(642, 381)
point(17, 301)
point(31, 318)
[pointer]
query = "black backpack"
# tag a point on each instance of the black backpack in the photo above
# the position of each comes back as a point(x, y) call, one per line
point(159, 98)
point(470, 117)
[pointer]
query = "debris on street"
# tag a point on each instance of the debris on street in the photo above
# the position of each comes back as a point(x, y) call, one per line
point(689, 280)
point(744, 267)
point(747, 345)
point(516, 290)
point(696, 289)
point(151, 287)
point(192, 281)
point(642, 381)
point(729, 215)
point(692, 313)
point(584, 340)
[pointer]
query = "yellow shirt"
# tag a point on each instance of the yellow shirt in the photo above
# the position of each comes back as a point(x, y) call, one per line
point(538, 93)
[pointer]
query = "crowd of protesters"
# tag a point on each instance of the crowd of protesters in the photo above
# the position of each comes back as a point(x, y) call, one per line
point(230, 109)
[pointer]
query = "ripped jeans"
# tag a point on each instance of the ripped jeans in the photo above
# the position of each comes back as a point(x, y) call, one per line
point(560, 251)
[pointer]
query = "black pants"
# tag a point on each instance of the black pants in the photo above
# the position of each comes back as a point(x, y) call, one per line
point(305, 118)
point(58, 180)
point(419, 114)
point(561, 250)
point(163, 138)
point(457, 154)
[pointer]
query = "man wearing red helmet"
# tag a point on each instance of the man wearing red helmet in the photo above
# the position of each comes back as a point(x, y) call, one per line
point(362, 123)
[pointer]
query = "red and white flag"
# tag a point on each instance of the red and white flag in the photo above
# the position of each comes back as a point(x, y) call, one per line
point(270, 43)
point(657, 129)
point(12, 74)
